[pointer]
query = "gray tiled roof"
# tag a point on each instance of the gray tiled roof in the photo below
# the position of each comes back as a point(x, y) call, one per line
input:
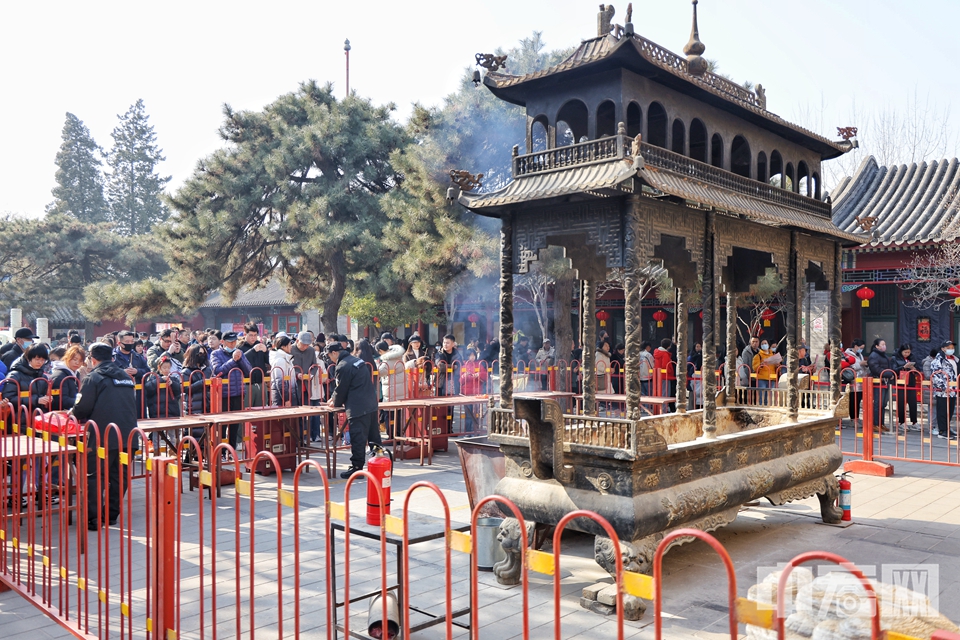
point(918, 203)
point(274, 293)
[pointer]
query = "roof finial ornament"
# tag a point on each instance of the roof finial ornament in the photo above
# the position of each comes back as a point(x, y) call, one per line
point(605, 19)
point(628, 24)
point(696, 65)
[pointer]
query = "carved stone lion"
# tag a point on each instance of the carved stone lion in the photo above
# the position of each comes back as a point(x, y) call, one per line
point(507, 570)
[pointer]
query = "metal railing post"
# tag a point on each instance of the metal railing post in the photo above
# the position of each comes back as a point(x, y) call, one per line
point(163, 524)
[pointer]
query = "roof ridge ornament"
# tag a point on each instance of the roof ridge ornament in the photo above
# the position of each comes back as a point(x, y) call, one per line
point(694, 49)
point(605, 19)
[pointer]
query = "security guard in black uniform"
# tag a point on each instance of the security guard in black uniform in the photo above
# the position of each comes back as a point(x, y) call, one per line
point(356, 393)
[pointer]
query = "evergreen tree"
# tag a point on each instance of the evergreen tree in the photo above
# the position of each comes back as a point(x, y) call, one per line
point(134, 187)
point(295, 194)
point(79, 190)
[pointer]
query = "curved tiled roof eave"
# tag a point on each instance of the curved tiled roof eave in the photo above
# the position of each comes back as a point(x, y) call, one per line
point(914, 205)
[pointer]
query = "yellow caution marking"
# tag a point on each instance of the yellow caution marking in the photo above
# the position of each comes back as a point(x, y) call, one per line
point(46, 436)
point(102, 595)
point(62, 441)
point(171, 634)
point(124, 609)
point(243, 487)
point(337, 511)
point(101, 453)
point(540, 561)
point(82, 584)
point(24, 394)
point(46, 561)
point(29, 550)
point(206, 478)
point(29, 432)
point(393, 524)
point(55, 392)
point(149, 464)
point(460, 541)
point(16, 543)
point(172, 470)
point(836, 433)
point(150, 624)
point(285, 498)
point(3, 535)
point(124, 458)
point(16, 428)
point(750, 612)
point(63, 573)
point(637, 584)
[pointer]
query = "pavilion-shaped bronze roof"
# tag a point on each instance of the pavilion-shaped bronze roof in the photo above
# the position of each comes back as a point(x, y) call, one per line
point(607, 167)
point(647, 58)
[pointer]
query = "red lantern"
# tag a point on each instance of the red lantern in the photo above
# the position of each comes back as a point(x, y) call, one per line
point(768, 315)
point(603, 316)
point(701, 315)
point(660, 315)
point(866, 295)
point(376, 322)
point(473, 318)
point(955, 294)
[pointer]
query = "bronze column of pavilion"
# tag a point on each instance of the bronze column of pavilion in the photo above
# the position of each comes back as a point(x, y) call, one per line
point(835, 337)
point(632, 307)
point(681, 324)
point(588, 335)
point(708, 371)
point(794, 308)
point(506, 311)
point(731, 369)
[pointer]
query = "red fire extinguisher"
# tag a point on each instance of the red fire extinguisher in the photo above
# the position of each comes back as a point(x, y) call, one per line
point(381, 466)
point(844, 500)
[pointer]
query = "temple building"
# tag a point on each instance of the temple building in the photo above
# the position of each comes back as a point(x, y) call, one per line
point(907, 212)
point(639, 157)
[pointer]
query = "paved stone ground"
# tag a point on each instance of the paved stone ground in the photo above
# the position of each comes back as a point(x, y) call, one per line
point(912, 517)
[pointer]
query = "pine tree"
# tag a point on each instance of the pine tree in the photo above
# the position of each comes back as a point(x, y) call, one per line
point(79, 190)
point(134, 187)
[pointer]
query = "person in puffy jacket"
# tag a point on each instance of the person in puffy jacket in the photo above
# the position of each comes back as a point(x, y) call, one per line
point(857, 364)
point(283, 375)
point(765, 364)
point(232, 366)
point(107, 397)
point(26, 377)
point(162, 392)
point(881, 367)
point(64, 381)
point(943, 378)
point(196, 371)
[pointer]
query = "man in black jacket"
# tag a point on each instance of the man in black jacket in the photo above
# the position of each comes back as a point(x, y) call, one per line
point(22, 340)
point(258, 355)
point(106, 396)
point(356, 393)
point(883, 368)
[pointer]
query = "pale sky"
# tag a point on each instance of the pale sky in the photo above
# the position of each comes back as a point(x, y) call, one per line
point(186, 59)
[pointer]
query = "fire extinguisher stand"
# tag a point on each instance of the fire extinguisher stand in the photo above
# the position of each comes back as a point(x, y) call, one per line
point(381, 466)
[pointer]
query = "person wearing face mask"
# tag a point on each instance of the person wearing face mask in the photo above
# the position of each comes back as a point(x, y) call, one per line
point(22, 340)
point(881, 366)
point(943, 375)
point(765, 364)
point(135, 364)
point(857, 365)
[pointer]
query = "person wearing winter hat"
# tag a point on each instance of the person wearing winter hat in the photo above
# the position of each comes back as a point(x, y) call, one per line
point(355, 393)
point(106, 396)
